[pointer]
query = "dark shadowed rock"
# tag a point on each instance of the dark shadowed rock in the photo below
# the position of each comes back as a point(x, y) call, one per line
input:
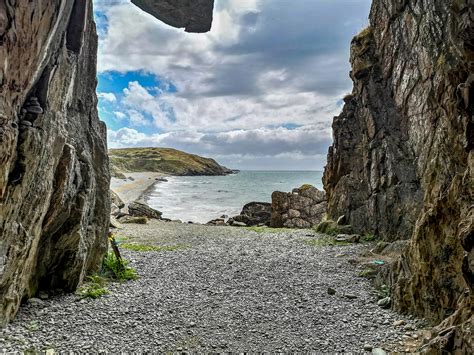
point(254, 214)
point(140, 209)
point(402, 164)
point(194, 16)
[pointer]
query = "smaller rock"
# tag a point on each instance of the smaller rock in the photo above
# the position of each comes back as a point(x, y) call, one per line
point(398, 323)
point(43, 295)
point(136, 220)
point(384, 302)
point(239, 224)
point(348, 238)
point(140, 209)
point(368, 347)
point(35, 302)
point(331, 291)
point(350, 296)
point(379, 351)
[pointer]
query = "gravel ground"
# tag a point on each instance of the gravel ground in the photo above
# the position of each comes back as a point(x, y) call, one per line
point(228, 289)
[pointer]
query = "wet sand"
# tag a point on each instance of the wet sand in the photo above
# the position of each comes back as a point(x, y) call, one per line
point(136, 189)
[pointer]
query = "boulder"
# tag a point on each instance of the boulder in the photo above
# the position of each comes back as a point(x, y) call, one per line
point(217, 222)
point(136, 220)
point(116, 200)
point(140, 209)
point(304, 207)
point(255, 213)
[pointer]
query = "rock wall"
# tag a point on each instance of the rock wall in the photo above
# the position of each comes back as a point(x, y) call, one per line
point(402, 164)
point(54, 175)
point(54, 194)
point(304, 207)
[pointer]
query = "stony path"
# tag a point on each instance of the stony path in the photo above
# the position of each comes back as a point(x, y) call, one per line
point(230, 289)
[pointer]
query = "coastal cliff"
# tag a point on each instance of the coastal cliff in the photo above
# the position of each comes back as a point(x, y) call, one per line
point(402, 165)
point(54, 173)
point(162, 160)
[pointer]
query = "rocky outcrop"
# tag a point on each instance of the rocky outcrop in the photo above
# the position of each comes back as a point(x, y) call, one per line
point(54, 180)
point(304, 207)
point(140, 209)
point(401, 165)
point(54, 174)
point(253, 214)
point(194, 16)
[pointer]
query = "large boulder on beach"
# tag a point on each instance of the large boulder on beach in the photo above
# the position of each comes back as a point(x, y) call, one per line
point(304, 207)
point(255, 213)
point(141, 209)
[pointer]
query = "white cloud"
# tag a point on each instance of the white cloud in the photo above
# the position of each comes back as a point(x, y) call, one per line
point(107, 96)
point(264, 65)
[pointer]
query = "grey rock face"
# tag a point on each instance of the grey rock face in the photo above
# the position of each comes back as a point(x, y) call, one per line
point(54, 175)
point(54, 194)
point(304, 207)
point(402, 165)
point(194, 16)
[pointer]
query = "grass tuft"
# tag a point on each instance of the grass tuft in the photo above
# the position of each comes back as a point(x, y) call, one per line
point(93, 288)
point(324, 241)
point(141, 247)
point(368, 237)
point(266, 229)
point(117, 270)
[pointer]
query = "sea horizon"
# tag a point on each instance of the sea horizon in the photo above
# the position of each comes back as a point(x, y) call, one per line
point(200, 199)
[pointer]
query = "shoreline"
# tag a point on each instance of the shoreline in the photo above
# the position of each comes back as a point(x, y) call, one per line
point(138, 188)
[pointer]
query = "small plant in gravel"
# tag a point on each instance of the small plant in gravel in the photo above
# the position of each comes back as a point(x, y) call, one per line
point(142, 247)
point(118, 269)
point(383, 292)
point(368, 273)
point(368, 237)
point(267, 229)
point(325, 241)
point(33, 326)
point(93, 288)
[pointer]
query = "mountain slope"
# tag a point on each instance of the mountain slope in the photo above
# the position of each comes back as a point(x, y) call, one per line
point(163, 160)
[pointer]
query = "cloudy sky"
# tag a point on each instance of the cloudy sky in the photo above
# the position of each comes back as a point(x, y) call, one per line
point(257, 92)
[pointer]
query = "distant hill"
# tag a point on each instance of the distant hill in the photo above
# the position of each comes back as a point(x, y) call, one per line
point(162, 160)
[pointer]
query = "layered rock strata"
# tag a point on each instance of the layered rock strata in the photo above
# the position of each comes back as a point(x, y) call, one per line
point(54, 175)
point(401, 165)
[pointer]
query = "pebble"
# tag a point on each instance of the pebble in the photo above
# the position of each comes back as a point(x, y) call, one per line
point(399, 322)
point(232, 288)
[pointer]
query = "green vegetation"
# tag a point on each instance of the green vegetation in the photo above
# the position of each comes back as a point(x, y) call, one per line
point(368, 273)
point(383, 292)
point(93, 288)
point(331, 227)
point(118, 270)
point(266, 229)
point(369, 237)
point(136, 220)
point(33, 326)
point(305, 187)
point(140, 247)
point(324, 241)
point(162, 160)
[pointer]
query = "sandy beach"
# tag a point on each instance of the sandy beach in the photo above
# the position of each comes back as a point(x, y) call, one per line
point(132, 190)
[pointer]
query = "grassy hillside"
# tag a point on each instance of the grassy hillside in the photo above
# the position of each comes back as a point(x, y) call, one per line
point(164, 160)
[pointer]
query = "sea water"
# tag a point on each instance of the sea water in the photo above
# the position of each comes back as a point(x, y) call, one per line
point(203, 198)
